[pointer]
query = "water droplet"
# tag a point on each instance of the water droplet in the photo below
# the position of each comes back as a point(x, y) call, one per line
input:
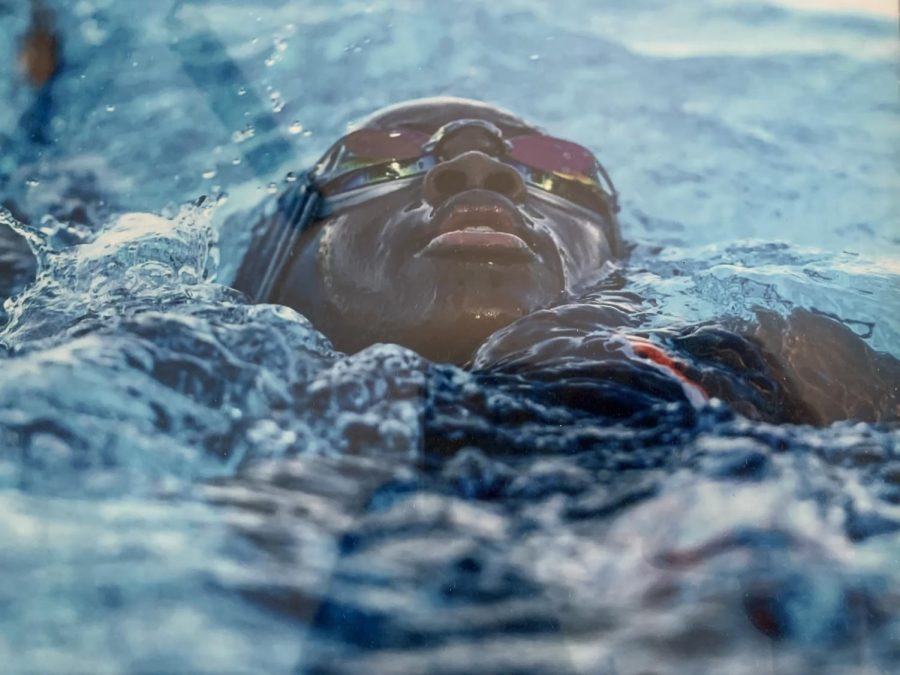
point(272, 188)
point(271, 61)
point(242, 91)
point(32, 182)
point(534, 57)
point(236, 161)
point(295, 127)
point(280, 44)
point(278, 103)
point(290, 177)
point(394, 134)
point(240, 136)
point(93, 33)
point(209, 173)
point(110, 108)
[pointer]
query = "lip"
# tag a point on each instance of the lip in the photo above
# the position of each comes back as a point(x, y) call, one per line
point(479, 227)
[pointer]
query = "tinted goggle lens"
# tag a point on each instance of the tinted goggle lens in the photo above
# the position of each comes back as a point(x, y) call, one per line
point(375, 145)
point(552, 155)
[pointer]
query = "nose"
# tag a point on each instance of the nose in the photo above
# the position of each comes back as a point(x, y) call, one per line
point(472, 170)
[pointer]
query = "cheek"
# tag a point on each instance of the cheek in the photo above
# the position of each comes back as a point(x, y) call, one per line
point(358, 250)
point(583, 248)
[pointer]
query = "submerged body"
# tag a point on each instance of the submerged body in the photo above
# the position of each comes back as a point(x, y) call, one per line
point(40, 62)
point(40, 49)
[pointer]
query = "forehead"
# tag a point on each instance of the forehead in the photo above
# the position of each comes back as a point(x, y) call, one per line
point(428, 115)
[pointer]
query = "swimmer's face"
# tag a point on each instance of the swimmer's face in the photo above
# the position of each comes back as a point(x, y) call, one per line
point(439, 260)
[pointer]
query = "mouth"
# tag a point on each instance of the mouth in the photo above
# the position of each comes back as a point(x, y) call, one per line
point(479, 228)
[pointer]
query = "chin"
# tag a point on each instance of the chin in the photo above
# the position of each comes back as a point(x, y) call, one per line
point(452, 340)
point(453, 329)
point(445, 309)
point(481, 288)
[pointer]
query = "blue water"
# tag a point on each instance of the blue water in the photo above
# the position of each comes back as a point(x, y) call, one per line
point(189, 484)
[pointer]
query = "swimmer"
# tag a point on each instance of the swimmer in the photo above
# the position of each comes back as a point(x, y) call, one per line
point(40, 61)
point(435, 224)
point(448, 225)
point(40, 49)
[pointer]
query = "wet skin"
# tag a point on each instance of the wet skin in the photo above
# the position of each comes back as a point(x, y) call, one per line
point(450, 256)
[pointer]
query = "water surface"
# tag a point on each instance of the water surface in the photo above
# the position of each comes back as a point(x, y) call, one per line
point(194, 485)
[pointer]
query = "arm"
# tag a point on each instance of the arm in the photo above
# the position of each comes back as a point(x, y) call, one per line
point(834, 371)
point(805, 368)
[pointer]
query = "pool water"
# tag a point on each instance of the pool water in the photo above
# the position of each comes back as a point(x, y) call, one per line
point(192, 484)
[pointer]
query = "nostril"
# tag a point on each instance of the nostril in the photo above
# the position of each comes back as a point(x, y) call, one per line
point(449, 182)
point(503, 183)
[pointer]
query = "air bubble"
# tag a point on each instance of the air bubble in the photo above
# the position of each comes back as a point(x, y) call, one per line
point(295, 128)
point(209, 173)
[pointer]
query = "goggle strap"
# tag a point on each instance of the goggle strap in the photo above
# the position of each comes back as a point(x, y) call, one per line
point(613, 193)
point(278, 242)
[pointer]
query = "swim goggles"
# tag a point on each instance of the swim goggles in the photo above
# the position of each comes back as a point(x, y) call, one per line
point(370, 161)
point(369, 157)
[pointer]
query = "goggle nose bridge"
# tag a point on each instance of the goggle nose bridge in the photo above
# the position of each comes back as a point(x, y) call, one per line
point(451, 129)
